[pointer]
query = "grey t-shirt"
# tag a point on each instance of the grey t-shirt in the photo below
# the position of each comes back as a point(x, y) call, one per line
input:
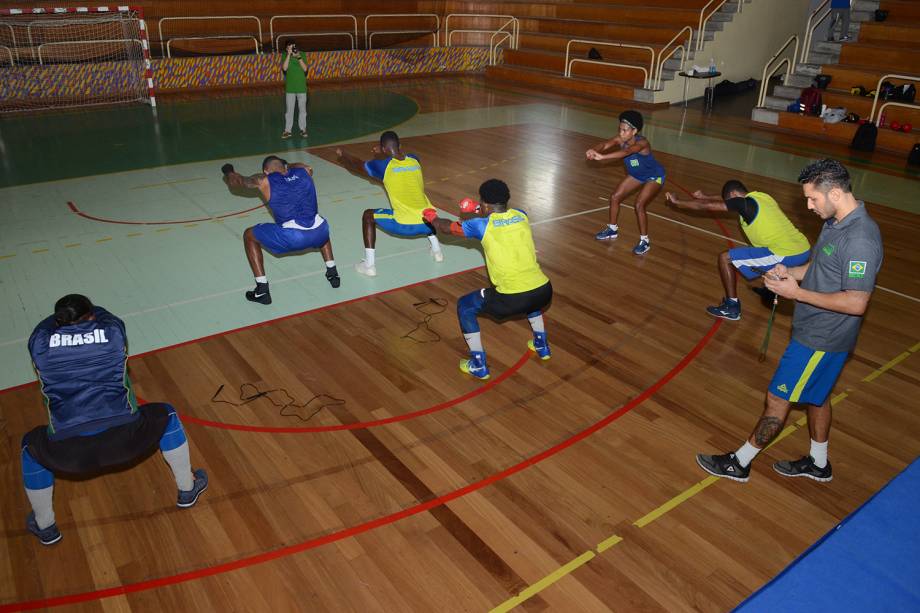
point(847, 256)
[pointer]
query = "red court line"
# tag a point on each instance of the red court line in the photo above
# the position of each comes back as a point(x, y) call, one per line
point(73, 207)
point(277, 319)
point(186, 419)
point(333, 537)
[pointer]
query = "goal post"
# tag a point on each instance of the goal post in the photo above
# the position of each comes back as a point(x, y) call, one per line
point(54, 57)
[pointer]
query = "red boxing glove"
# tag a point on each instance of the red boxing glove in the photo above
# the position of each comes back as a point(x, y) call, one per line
point(468, 205)
point(429, 215)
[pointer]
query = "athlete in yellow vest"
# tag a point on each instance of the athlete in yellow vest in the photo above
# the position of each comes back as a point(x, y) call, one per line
point(773, 239)
point(519, 287)
point(401, 175)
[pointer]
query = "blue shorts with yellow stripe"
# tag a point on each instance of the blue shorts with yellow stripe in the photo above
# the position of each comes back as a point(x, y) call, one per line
point(806, 375)
point(386, 222)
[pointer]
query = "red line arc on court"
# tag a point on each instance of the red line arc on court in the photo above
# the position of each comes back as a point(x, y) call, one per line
point(187, 419)
point(73, 207)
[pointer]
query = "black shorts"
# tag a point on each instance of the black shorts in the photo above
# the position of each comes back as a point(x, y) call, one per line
point(118, 446)
point(500, 305)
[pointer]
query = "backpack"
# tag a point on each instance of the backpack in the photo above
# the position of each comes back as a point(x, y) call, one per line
point(864, 139)
point(880, 15)
point(905, 92)
point(822, 81)
point(810, 101)
point(594, 54)
point(913, 158)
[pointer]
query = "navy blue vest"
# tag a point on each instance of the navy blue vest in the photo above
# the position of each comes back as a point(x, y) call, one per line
point(82, 369)
point(293, 197)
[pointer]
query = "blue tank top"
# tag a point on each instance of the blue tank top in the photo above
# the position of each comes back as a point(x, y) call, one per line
point(642, 167)
point(293, 197)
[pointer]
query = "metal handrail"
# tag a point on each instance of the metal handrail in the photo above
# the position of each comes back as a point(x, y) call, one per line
point(878, 88)
point(764, 78)
point(86, 42)
point(10, 53)
point(810, 30)
point(882, 108)
point(568, 47)
point(515, 34)
point(271, 24)
point(578, 60)
point(13, 36)
point(703, 22)
point(434, 35)
point(437, 26)
point(160, 27)
point(662, 58)
point(502, 35)
point(220, 37)
point(293, 34)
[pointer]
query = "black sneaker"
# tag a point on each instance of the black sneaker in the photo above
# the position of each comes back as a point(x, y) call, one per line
point(332, 275)
point(804, 467)
point(47, 536)
point(725, 465)
point(728, 309)
point(259, 294)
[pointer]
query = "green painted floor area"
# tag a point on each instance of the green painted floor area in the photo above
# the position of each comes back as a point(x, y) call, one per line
point(180, 281)
point(71, 144)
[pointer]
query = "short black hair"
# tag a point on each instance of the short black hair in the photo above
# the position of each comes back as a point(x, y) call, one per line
point(633, 118)
point(825, 175)
point(495, 191)
point(389, 138)
point(270, 159)
point(733, 185)
point(72, 308)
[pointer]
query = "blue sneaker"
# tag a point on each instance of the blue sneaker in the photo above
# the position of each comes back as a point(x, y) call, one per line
point(607, 234)
point(189, 498)
point(642, 248)
point(476, 365)
point(729, 309)
point(47, 536)
point(539, 346)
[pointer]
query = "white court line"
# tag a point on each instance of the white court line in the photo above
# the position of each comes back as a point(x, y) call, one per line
point(735, 240)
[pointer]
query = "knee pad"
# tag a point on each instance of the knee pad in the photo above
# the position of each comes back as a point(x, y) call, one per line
point(468, 307)
point(174, 435)
point(34, 475)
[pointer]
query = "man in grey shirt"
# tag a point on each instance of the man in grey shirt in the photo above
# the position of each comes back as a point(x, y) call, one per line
point(830, 303)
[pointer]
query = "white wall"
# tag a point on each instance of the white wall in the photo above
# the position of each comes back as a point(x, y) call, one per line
point(744, 46)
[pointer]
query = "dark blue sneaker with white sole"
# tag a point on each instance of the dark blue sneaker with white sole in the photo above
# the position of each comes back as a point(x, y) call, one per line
point(607, 234)
point(199, 485)
point(728, 309)
point(46, 536)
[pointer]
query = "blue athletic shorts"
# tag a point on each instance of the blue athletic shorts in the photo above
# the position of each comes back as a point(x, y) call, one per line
point(286, 240)
point(644, 178)
point(386, 222)
point(746, 259)
point(806, 375)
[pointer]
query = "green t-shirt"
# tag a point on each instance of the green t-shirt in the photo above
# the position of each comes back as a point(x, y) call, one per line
point(295, 80)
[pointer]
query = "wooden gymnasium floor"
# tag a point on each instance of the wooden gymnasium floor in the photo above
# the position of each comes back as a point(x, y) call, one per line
point(568, 485)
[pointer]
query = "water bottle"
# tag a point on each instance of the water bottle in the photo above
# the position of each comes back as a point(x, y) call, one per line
point(712, 65)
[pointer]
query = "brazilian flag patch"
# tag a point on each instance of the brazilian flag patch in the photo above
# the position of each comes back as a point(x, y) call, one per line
point(856, 269)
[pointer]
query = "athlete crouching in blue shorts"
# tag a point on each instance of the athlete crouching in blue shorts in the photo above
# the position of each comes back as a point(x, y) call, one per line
point(642, 171)
point(401, 175)
point(519, 286)
point(80, 355)
point(290, 194)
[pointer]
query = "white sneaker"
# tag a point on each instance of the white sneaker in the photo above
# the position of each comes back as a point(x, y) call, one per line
point(437, 256)
point(364, 269)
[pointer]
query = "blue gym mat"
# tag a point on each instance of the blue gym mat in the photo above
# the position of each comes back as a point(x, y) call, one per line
point(869, 562)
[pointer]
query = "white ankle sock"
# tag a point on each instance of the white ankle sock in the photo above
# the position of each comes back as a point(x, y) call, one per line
point(644, 237)
point(613, 226)
point(819, 453)
point(261, 279)
point(746, 453)
point(330, 264)
point(369, 256)
point(435, 243)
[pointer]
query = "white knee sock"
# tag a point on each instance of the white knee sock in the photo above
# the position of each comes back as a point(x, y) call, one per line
point(181, 466)
point(435, 243)
point(41, 504)
point(474, 341)
point(536, 323)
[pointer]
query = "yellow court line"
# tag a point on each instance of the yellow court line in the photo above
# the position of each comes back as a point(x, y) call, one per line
point(673, 502)
point(545, 582)
point(190, 225)
point(132, 234)
point(102, 240)
point(7, 256)
point(163, 229)
point(69, 245)
point(43, 250)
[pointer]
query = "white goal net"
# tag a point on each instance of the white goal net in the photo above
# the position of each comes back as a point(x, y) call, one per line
point(74, 56)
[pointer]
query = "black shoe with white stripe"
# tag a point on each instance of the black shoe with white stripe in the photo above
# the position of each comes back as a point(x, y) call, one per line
point(259, 294)
point(804, 467)
point(726, 466)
